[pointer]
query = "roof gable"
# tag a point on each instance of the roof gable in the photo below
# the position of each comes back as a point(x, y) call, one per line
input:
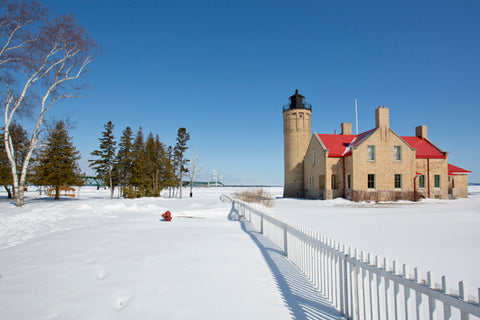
point(362, 137)
point(425, 149)
point(336, 143)
point(340, 144)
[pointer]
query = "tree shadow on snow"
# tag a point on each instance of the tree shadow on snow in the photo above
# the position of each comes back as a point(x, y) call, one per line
point(299, 294)
point(50, 199)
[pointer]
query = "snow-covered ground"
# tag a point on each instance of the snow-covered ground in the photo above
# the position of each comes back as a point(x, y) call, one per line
point(442, 236)
point(96, 258)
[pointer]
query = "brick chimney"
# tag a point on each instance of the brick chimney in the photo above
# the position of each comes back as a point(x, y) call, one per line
point(382, 119)
point(421, 132)
point(346, 128)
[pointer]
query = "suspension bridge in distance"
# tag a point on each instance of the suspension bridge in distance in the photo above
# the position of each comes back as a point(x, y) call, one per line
point(98, 182)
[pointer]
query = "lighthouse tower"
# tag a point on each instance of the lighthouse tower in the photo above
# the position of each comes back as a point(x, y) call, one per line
point(296, 134)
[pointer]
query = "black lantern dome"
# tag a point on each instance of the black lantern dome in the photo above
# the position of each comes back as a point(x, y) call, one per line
point(297, 101)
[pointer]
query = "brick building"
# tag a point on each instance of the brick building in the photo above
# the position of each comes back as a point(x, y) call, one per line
point(374, 165)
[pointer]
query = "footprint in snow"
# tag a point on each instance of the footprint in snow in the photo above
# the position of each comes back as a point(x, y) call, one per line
point(121, 301)
point(102, 274)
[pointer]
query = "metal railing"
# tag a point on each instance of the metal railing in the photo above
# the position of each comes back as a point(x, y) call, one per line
point(307, 106)
point(357, 284)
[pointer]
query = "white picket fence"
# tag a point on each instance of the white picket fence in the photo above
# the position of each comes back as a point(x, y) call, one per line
point(358, 284)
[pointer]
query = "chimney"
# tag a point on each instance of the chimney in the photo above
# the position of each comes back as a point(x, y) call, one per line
point(346, 128)
point(421, 132)
point(382, 118)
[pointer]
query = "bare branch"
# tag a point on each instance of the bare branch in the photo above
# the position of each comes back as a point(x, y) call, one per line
point(44, 57)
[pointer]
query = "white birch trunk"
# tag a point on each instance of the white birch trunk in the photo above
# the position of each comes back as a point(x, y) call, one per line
point(43, 70)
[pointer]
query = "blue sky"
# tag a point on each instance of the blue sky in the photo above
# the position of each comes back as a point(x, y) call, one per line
point(224, 69)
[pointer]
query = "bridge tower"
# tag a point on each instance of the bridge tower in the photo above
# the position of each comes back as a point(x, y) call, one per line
point(297, 130)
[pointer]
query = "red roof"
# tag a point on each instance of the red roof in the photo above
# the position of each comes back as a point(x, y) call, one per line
point(424, 148)
point(454, 170)
point(336, 143)
point(340, 144)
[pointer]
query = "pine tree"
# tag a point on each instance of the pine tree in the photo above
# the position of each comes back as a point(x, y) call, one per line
point(169, 179)
point(153, 152)
point(138, 178)
point(124, 161)
point(105, 156)
point(58, 160)
point(179, 152)
point(162, 174)
point(20, 143)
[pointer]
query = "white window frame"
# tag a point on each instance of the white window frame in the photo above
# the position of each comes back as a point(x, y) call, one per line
point(371, 153)
point(399, 153)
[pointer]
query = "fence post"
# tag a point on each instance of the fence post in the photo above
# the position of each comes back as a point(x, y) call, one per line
point(418, 295)
point(363, 275)
point(285, 242)
point(406, 290)
point(340, 280)
point(463, 293)
point(356, 272)
point(352, 284)
point(345, 283)
point(447, 309)
point(431, 300)
point(386, 284)
point(336, 262)
point(379, 280)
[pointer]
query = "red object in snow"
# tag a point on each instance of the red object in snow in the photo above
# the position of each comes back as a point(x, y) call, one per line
point(167, 216)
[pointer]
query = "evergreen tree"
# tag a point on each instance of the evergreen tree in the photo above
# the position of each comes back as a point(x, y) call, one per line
point(179, 152)
point(138, 178)
point(162, 175)
point(169, 179)
point(58, 160)
point(103, 165)
point(153, 165)
point(124, 160)
point(20, 143)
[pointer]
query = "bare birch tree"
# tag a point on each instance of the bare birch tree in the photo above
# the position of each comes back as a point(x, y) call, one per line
point(39, 60)
point(194, 169)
